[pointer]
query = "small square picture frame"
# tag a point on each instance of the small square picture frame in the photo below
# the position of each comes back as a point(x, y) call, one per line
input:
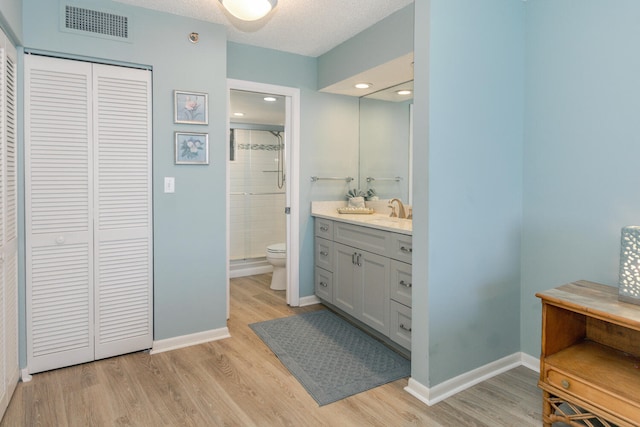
point(191, 148)
point(190, 107)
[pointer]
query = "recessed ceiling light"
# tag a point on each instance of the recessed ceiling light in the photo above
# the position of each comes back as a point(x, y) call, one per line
point(404, 92)
point(363, 85)
point(269, 99)
point(238, 114)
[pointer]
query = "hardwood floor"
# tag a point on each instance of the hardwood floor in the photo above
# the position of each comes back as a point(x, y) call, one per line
point(239, 382)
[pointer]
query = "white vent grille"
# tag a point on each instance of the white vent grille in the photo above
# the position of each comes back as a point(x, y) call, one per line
point(97, 22)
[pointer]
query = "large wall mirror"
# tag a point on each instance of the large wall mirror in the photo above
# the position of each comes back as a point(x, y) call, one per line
point(386, 142)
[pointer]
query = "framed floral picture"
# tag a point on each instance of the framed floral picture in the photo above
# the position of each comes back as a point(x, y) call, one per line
point(191, 107)
point(192, 148)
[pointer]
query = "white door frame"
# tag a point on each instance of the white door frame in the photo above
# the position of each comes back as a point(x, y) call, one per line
point(292, 174)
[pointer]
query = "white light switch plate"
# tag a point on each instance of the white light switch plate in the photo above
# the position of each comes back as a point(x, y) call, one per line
point(169, 184)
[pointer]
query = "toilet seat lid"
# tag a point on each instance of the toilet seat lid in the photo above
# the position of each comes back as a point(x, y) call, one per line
point(277, 248)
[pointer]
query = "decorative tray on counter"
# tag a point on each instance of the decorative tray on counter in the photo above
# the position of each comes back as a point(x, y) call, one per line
point(352, 210)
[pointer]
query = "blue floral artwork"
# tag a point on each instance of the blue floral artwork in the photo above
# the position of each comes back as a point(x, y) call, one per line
point(191, 108)
point(192, 148)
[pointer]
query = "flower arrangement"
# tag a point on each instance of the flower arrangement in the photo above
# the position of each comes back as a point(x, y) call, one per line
point(191, 108)
point(190, 148)
point(355, 193)
point(370, 194)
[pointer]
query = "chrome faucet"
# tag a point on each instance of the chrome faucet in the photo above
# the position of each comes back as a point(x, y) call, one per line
point(401, 212)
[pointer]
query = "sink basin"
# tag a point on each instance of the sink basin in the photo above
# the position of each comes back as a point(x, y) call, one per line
point(389, 221)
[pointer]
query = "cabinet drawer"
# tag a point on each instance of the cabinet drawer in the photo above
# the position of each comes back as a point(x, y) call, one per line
point(324, 253)
point(593, 395)
point(324, 228)
point(364, 238)
point(401, 283)
point(401, 247)
point(400, 324)
point(324, 284)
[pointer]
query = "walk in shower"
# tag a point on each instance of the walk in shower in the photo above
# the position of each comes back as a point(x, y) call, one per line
point(257, 196)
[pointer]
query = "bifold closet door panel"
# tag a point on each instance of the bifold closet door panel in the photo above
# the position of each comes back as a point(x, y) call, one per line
point(58, 212)
point(123, 222)
point(9, 366)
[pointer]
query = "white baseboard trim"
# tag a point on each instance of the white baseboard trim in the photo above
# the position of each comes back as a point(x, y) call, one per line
point(310, 300)
point(531, 362)
point(441, 391)
point(25, 376)
point(418, 390)
point(189, 340)
point(250, 271)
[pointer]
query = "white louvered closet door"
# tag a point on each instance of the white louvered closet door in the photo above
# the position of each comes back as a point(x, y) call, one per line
point(87, 185)
point(58, 202)
point(8, 225)
point(123, 269)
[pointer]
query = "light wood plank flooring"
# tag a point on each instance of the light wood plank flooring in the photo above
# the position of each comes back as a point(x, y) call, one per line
point(239, 382)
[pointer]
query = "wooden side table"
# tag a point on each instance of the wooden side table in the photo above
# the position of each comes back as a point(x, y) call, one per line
point(590, 361)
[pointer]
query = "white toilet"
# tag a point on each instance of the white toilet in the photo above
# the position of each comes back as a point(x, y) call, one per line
point(277, 257)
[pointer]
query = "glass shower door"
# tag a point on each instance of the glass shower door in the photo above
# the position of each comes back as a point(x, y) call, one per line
point(257, 193)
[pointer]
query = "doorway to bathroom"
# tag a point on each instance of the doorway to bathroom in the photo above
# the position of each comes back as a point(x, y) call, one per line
point(257, 195)
point(262, 182)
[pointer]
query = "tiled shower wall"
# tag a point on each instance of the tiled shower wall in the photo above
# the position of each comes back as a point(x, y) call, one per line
point(257, 204)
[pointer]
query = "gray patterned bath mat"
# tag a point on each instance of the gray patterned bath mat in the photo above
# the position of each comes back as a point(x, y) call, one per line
point(331, 358)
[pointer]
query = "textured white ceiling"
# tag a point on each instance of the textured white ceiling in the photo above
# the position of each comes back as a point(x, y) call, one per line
point(305, 27)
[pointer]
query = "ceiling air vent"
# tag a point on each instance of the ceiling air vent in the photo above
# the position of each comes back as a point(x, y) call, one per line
point(96, 23)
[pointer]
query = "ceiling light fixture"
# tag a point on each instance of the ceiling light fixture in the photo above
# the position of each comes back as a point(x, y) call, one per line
point(269, 99)
point(249, 10)
point(238, 114)
point(404, 92)
point(363, 85)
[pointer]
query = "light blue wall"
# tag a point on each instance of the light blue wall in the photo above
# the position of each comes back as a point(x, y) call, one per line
point(271, 66)
point(474, 203)
point(388, 39)
point(189, 226)
point(328, 133)
point(11, 19)
point(420, 158)
point(581, 142)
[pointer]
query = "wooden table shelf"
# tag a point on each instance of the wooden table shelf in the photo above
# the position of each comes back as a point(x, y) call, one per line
point(590, 356)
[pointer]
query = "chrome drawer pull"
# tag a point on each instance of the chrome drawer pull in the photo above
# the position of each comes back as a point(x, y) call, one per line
point(323, 284)
point(405, 328)
point(324, 228)
point(565, 384)
point(324, 253)
point(405, 284)
point(406, 250)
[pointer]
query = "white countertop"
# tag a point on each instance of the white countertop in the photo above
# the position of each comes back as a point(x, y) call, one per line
point(380, 219)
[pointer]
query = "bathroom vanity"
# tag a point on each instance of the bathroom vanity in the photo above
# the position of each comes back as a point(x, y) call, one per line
point(363, 269)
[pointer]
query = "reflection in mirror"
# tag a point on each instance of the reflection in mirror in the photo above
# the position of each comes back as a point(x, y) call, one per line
point(385, 142)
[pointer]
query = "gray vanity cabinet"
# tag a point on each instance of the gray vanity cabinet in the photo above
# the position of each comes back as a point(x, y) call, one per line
point(360, 286)
point(324, 255)
point(345, 295)
point(373, 274)
point(366, 273)
point(324, 284)
point(401, 283)
point(400, 304)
